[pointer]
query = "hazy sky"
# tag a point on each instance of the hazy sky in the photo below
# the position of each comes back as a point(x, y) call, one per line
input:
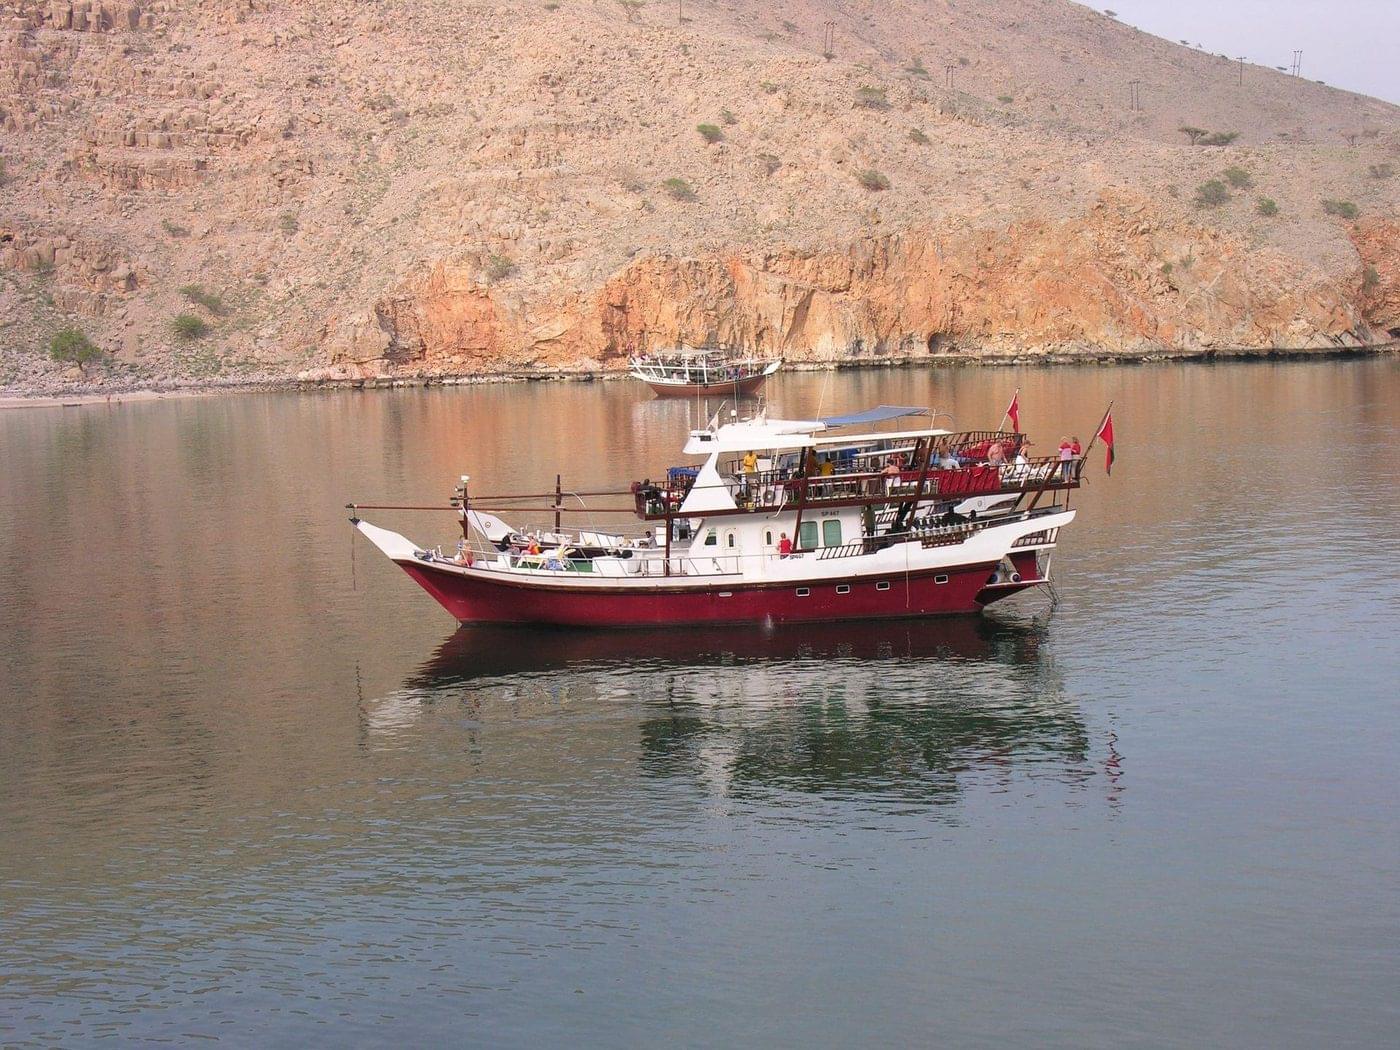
point(1348, 43)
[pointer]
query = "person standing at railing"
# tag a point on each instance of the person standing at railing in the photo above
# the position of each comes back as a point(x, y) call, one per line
point(750, 462)
point(1066, 458)
point(784, 546)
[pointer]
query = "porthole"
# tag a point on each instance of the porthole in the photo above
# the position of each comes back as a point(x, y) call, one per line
point(844, 588)
point(802, 592)
point(940, 579)
point(882, 586)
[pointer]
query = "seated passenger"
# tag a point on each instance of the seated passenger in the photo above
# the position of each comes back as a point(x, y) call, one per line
point(996, 455)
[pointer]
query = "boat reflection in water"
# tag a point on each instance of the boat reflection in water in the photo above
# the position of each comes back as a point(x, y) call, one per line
point(906, 709)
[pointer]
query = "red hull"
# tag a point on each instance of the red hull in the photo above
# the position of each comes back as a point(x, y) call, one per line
point(472, 599)
point(729, 389)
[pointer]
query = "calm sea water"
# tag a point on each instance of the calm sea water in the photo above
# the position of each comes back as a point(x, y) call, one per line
point(256, 787)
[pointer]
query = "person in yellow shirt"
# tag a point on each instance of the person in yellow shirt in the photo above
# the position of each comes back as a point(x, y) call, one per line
point(750, 462)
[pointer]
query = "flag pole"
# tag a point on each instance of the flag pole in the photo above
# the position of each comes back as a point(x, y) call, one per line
point(1084, 456)
point(1007, 413)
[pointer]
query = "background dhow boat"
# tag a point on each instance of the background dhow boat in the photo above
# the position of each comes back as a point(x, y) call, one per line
point(781, 521)
point(707, 372)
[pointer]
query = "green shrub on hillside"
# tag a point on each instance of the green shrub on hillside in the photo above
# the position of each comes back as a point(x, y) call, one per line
point(871, 98)
point(679, 189)
point(71, 346)
point(1382, 171)
point(1220, 138)
point(1342, 209)
point(1211, 194)
point(499, 267)
point(770, 163)
point(1005, 100)
point(709, 132)
point(917, 136)
point(1238, 178)
point(188, 327)
point(195, 293)
point(1267, 207)
point(872, 179)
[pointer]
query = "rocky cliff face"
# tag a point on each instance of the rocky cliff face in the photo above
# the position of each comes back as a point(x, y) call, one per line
point(435, 187)
point(1117, 281)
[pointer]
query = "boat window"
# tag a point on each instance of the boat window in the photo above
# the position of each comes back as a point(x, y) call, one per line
point(844, 588)
point(768, 538)
point(831, 533)
point(940, 579)
point(711, 538)
point(729, 540)
point(802, 592)
point(882, 586)
point(807, 535)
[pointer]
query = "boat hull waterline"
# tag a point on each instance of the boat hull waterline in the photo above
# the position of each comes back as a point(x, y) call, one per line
point(484, 596)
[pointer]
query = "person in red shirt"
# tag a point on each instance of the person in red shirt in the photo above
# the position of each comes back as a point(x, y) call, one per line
point(784, 546)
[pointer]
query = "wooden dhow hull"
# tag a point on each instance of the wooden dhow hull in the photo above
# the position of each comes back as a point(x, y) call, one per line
point(483, 595)
point(732, 388)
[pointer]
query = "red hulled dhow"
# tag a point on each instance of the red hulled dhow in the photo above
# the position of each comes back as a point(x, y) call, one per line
point(777, 521)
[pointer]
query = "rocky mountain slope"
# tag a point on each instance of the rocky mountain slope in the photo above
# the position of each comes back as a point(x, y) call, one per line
point(410, 187)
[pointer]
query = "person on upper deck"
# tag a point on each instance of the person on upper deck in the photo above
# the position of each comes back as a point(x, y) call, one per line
point(750, 462)
point(1066, 458)
point(809, 465)
point(996, 455)
point(891, 467)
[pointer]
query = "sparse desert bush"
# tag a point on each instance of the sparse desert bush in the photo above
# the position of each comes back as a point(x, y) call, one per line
point(632, 184)
point(1267, 207)
point(871, 98)
point(1342, 209)
point(631, 8)
point(1211, 194)
point(917, 136)
point(71, 346)
point(679, 189)
point(1370, 279)
point(768, 87)
point(188, 327)
point(791, 27)
point(770, 163)
point(1238, 178)
point(1166, 269)
point(916, 67)
point(1193, 133)
point(1005, 100)
point(964, 61)
point(727, 118)
point(195, 293)
point(288, 223)
point(1382, 171)
point(173, 229)
point(1220, 138)
point(872, 179)
point(499, 267)
point(709, 132)
point(4, 177)
point(551, 7)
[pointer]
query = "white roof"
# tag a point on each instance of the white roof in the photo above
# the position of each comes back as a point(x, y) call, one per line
point(784, 434)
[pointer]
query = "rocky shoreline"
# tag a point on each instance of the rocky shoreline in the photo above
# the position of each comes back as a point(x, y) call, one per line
point(72, 395)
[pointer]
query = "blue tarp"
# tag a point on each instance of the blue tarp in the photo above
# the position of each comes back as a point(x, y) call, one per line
point(874, 415)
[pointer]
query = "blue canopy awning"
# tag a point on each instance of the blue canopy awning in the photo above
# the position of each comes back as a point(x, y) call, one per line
point(874, 415)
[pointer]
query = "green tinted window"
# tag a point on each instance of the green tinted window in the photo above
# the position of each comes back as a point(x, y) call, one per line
point(831, 533)
point(807, 538)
